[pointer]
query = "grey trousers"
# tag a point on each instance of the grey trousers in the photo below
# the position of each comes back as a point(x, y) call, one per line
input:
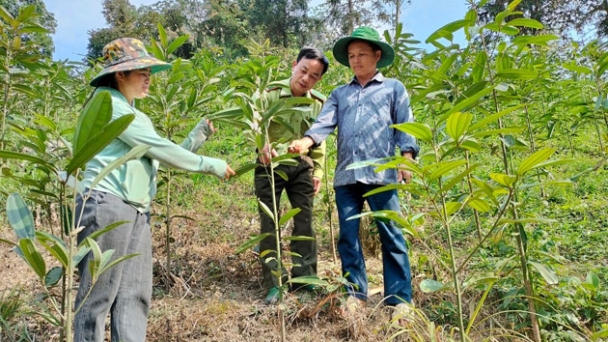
point(125, 290)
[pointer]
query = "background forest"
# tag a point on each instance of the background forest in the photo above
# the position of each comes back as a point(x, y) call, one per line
point(506, 217)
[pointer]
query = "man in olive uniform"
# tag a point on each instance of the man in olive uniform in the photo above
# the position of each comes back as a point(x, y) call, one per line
point(303, 180)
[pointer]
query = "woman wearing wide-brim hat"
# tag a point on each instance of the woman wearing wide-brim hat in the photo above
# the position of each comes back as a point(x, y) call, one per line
point(125, 194)
point(363, 110)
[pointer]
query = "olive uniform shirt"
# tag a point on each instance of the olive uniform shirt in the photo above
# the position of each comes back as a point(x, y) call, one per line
point(298, 123)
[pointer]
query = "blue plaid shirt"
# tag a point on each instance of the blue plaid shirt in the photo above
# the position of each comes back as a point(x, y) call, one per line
point(363, 116)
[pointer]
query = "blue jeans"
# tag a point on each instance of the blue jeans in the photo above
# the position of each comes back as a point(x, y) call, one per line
point(395, 260)
point(124, 290)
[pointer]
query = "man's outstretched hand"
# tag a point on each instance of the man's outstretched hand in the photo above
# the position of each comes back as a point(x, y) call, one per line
point(267, 154)
point(300, 145)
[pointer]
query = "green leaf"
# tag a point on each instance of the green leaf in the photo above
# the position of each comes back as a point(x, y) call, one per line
point(535, 40)
point(470, 144)
point(246, 168)
point(535, 160)
point(6, 15)
point(10, 243)
point(53, 276)
point(365, 163)
point(34, 28)
point(108, 228)
point(97, 113)
point(452, 207)
point(431, 286)
point(95, 261)
point(525, 22)
point(479, 66)
point(470, 101)
point(157, 50)
point(44, 121)
point(394, 216)
point(503, 179)
point(447, 64)
point(66, 218)
point(457, 124)
point(479, 205)
point(517, 74)
point(420, 131)
point(447, 186)
point(513, 5)
point(226, 114)
point(494, 117)
point(311, 280)
point(162, 34)
point(20, 217)
point(288, 215)
point(485, 188)
point(108, 265)
point(55, 246)
point(265, 209)
point(254, 241)
point(135, 153)
point(32, 257)
point(26, 157)
point(600, 334)
point(602, 68)
point(448, 28)
point(282, 174)
point(264, 253)
point(442, 168)
point(26, 12)
point(593, 280)
point(82, 252)
point(547, 273)
point(508, 30)
point(298, 238)
point(480, 279)
point(99, 141)
point(407, 187)
point(192, 97)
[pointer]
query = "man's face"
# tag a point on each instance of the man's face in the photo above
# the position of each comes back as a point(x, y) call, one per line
point(362, 58)
point(304, 75)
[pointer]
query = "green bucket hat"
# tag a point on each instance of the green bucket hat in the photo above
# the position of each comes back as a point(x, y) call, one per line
point(367, 34)
point(125, 54)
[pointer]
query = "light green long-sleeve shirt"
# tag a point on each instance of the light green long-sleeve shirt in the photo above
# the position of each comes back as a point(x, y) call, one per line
point(135, 181)
point(298, 123)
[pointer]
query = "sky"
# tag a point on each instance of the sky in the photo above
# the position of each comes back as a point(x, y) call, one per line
point(75, 18)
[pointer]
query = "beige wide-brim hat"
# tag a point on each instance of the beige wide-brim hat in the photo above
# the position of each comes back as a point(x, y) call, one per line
point(126, 54)
point(367, 34)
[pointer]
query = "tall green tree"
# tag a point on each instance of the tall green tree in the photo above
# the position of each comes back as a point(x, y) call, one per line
point(121, 17)
point(558, 16)
point(44, 18)
point(343, 16)
point(226, 25)
point(284, 22)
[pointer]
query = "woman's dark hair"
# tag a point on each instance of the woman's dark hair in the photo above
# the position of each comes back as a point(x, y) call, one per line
point(108, 81)
point(314, 53)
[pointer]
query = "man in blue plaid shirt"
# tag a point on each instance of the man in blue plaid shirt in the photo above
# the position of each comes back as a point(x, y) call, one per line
point(363, 111)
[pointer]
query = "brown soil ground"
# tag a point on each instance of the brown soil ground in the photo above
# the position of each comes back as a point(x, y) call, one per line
point(213, 294)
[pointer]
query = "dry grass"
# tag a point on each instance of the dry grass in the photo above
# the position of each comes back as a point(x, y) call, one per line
point(209, 293)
